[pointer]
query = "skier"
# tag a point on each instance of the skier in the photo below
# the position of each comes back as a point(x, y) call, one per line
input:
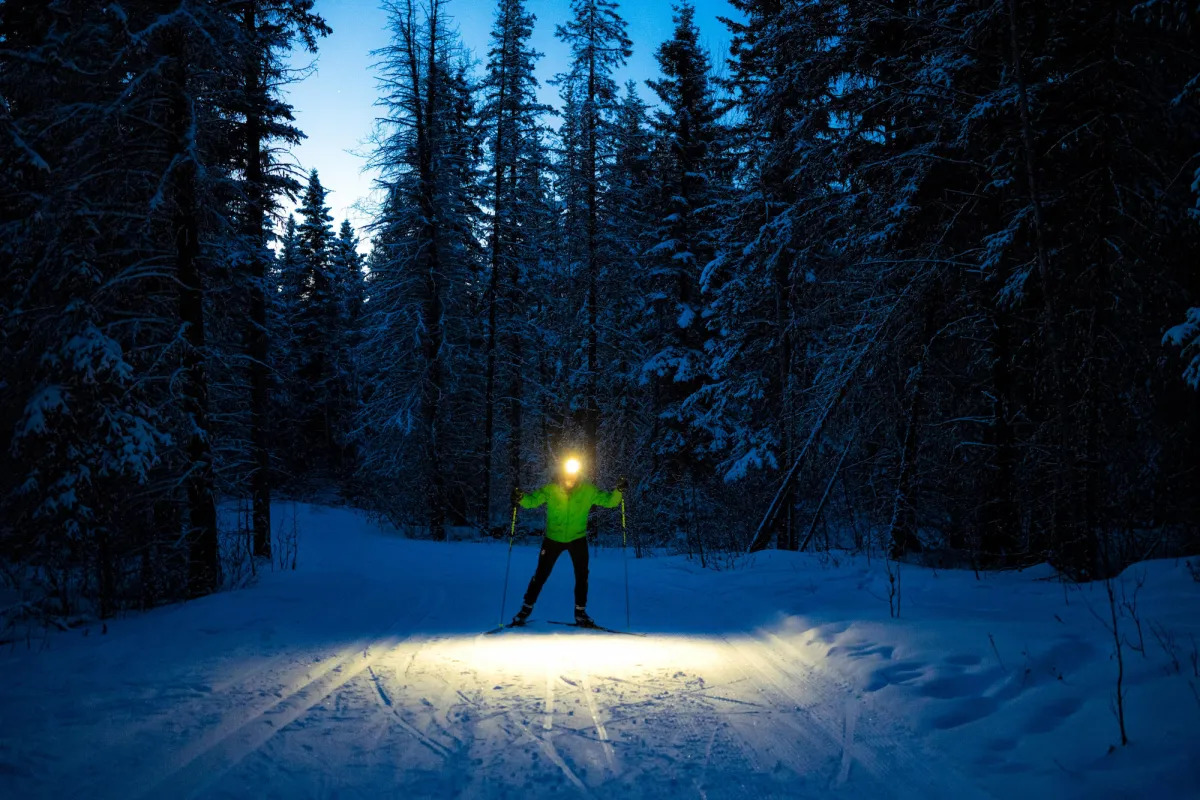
point(567, 502)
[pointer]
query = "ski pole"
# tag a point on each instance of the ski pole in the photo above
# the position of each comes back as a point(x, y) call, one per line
point(508, 563)
point(625, 561)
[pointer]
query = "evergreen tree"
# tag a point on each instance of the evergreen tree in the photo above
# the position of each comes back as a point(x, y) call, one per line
point(1180, 17)
point(317, 329)
point(269, 29)
point(683, 241)
point(628, 210)
point(913, 172)
point(778, 229)
point(421, 289)
point(596, 35)
point(131, 142)
point(286, 289)
point(346, 265)
point(1186, 336)
point(80, 427)
point(510, 116)
point(140, 290)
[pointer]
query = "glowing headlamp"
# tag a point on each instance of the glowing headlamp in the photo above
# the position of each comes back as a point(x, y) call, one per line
point(572, 466)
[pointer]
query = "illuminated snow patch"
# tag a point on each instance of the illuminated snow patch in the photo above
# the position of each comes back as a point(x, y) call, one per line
point(590, 652)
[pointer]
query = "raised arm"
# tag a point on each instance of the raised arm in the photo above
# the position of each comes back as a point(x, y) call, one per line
point(534, 499)
point(606, 499)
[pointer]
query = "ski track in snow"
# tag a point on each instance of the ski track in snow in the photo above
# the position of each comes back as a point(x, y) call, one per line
point(197, 767)
point(412, 702)
point(601, 732)
point(686, 731)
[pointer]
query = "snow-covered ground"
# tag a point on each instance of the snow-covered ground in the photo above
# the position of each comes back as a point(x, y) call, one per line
point(364, 674)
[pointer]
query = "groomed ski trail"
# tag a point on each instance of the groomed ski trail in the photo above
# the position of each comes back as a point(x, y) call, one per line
point(190, 772)
point(281, 700)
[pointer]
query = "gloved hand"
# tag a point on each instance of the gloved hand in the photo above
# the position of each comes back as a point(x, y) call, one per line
point(517, 494)
point(622, 484)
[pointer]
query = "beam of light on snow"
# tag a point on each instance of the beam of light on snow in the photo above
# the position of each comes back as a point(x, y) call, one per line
point(592, 653)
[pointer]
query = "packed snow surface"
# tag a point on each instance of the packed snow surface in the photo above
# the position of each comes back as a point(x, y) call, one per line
point(365, 673)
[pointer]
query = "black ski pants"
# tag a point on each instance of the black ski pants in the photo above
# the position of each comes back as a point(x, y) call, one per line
point(551, 550)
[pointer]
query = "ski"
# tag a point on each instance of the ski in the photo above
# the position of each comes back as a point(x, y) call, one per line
point(594, 628)
point(504, 627)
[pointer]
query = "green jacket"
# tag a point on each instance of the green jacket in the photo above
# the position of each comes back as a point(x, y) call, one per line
point(567, 512)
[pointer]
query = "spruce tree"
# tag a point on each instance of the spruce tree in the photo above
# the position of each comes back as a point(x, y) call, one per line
point(422, 284)
point(346, 266)
point(629, 213)
point(510, 117)
point(286, 290)
point(268, 29)
point(317, 332)
point(596, 35)
point(80, 426)
point(684, 237)
point(130, 140)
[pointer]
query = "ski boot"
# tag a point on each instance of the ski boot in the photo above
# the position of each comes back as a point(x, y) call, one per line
point(522, 616)
point(582, 619)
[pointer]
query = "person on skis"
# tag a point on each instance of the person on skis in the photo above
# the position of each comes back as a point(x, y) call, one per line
point(568, 501)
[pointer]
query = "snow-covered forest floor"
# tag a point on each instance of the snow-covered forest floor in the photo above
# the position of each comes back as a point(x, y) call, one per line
point(364, 674)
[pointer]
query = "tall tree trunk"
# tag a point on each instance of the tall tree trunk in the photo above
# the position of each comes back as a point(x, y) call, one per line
point(900, 529)
point(498, 208)
point(516, 353)
point(105, 572)
point(545, 409)
point(1050, 323)
point(515, 421)
point(204, 566)
point(788, 534)
point(1001, 523)
point(592, 412)
point(431, 399)
point(256, 271)
point(1029, 163)
point(431, 396)
point(489, 401)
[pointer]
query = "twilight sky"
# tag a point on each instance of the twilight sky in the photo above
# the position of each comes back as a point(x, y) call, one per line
point(335, 104)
